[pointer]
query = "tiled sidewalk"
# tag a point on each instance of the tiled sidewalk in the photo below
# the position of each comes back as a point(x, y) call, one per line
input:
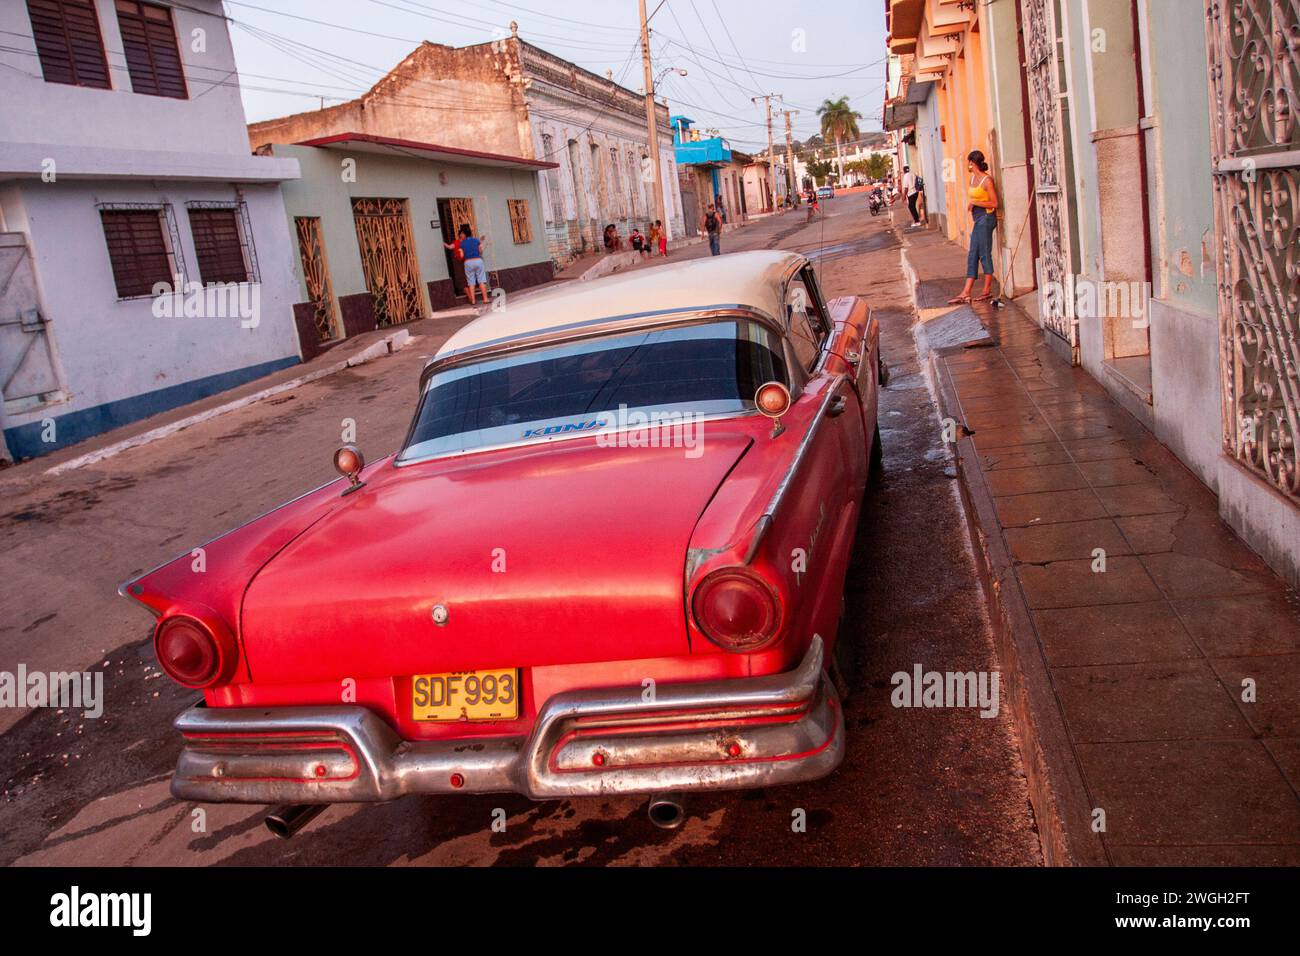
point(1145, 660)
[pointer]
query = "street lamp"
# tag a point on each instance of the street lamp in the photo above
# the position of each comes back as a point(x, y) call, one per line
point(665, 71)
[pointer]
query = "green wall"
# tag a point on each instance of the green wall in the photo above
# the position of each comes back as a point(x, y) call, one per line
point(322, 191)
point(1179, 99)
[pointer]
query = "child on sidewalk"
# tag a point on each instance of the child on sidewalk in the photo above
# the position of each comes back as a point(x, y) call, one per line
point(663, 238)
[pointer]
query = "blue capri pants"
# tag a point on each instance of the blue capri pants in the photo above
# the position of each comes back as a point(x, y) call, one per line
point(981, 244)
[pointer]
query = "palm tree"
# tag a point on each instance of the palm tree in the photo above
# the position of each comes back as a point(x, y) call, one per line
point(839, 122)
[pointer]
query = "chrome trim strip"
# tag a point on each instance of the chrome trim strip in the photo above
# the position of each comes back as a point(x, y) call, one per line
point(596, 327)
point(350, 754)
point(768, 517)
point(123, 589)
point(550, 439)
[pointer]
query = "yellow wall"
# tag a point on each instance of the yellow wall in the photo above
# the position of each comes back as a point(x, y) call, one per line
point(964, 111)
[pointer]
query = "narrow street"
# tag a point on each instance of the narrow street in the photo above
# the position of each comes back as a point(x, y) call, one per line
point(917, 787)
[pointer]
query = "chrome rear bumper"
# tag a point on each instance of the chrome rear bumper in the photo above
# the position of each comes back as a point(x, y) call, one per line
point(748, 732)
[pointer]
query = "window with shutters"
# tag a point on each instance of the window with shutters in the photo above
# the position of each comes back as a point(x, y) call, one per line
point(138, 248)
point(219, 244)
point(521, 225)
point(68, 42)
point(149, 42)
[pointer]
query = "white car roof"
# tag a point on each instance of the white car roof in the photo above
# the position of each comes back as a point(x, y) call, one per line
point(741, 278)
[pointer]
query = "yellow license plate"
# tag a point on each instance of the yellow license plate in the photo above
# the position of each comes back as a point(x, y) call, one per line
point(466, 695)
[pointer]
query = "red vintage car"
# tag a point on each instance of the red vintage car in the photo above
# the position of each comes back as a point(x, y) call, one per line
point(609, 558)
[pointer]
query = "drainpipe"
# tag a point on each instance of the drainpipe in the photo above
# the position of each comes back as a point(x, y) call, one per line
point(1030, 159)
point(1142, 142)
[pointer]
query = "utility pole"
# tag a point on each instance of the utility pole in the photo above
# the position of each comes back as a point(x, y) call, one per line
point(771, 155)
point(793, 187)
point(652, 120)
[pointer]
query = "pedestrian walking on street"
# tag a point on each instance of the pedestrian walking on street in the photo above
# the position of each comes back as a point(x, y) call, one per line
point(470, 248)
point(911, 190)
point(713, 228)
point(983, 210)
point(661, 237)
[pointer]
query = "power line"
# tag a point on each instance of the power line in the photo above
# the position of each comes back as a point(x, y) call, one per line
point(698, 62)
point(726, 29)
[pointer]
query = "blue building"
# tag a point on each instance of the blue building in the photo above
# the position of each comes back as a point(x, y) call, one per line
point(707, 171)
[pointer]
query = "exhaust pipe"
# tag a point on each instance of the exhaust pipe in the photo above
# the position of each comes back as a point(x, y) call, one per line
point(666, 811)
point(287, 820)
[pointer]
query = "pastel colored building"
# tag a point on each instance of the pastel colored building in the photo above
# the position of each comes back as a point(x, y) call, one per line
point(126, 171)
point(1141, 219)
point(508, 97)
point(371, 217)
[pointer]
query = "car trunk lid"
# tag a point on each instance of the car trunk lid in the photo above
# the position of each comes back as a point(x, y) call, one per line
point(567, 553)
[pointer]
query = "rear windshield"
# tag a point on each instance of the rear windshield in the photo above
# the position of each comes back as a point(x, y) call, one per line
point(539, 395)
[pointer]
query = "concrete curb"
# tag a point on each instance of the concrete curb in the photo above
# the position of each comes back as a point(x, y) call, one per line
point(1062, 808)
point(610, 262)
point(614, 261)
point(385, 346)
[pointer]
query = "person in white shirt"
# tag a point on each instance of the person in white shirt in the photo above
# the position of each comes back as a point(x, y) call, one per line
point(910, 191)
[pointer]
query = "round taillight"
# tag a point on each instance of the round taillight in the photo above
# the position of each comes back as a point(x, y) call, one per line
point(772, 399)
point(188, 652)
point(736, 610)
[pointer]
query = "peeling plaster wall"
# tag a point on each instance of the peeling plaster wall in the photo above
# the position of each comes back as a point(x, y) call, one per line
point(596, 130)
point(467, 97)
point(1185, 363)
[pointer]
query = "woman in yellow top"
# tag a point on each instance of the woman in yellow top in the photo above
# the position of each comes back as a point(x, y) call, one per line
point(983, 209)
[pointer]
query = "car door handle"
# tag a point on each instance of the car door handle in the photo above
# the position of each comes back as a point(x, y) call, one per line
point(837, 406)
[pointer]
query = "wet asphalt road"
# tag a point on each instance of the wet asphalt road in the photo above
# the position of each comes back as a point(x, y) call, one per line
point(917, 786)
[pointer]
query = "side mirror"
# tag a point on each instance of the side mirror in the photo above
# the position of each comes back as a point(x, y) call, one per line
point(773, 400)
point(348, 462)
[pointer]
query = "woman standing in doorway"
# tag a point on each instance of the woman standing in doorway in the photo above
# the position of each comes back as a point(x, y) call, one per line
point(471, 249)
point(984, 212)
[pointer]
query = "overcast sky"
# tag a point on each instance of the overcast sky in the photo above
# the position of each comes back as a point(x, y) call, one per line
point(293, 52)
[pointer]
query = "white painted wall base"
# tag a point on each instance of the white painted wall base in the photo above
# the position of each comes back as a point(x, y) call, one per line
point(1265, 519)
point(1185, 388)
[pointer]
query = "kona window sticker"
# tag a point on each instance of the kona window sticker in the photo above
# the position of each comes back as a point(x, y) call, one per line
point(545, 431)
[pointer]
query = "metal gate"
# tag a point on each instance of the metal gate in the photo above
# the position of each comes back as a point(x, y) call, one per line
point(1254, 54)
point(29, 377)
point(316, 276)
point(388, 259)
point(1042, 69)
